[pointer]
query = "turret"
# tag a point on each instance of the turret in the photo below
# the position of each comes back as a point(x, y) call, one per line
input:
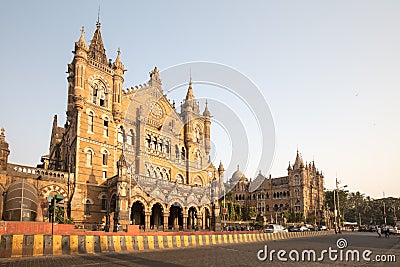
point(289, 167)
point(221, 170)
point(189, 110)
point(118, 79)
point(298, 164)
point(207, 126)
point(155, 80)
point(4, 151)
point(122, 167)
point(76, 73)
point(81, 48)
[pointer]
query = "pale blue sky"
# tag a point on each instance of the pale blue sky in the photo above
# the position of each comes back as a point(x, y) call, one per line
point(329, 70)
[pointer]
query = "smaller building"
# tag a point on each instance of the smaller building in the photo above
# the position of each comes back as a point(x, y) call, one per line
point(299, 196)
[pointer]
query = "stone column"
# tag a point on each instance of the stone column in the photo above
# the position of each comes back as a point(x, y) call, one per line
point(166, 216)
point(200, 221)
point(185, 217)
point(147, 220)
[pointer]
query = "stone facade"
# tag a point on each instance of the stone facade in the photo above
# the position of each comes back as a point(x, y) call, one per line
point(125, 156)
point(302, 191)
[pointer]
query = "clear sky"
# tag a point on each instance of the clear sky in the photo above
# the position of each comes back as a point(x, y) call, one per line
point(328, 69)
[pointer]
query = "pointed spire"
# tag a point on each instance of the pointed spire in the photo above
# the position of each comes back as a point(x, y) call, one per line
point(289, 167)
point(189, 94)
point(81, 43)
point(118, 62)
point(299, 161)
point(206, 111)
point(55, 123)
point(98, 18)
point(96, 47)
point(220, 167)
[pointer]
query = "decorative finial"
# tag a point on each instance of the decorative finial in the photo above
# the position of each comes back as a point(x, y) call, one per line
point(238, 167)
point(98, 18)
point(2, 131)
point(119, 51)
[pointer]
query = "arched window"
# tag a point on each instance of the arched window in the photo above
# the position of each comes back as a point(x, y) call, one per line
point(105, 159)
point(131, 137)
point(154, 143)
point(198, 159)
point(89, 158)
point(87, 208)
point(121, 134)
point(179, 179)
point(148, 141)
point(105, 128)
point(176, 151)
point(100, 95)
point(90, 121)
point(197, 134)
point(183, 154)
point(103, 202)
point(95, 93)
point(296, 192)
point(166, 149)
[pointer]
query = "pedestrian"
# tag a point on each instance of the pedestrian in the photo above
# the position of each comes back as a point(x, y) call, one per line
point(386, 231)
point(378, 230)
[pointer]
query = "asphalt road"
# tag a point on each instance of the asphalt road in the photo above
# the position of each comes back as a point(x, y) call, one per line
point(242, 254)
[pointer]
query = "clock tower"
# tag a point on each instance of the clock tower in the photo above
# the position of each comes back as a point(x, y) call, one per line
point(94, 115)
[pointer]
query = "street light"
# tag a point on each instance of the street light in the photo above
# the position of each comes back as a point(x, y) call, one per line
point(338, 202)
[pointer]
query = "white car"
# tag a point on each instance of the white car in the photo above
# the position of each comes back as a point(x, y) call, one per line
point(274, 228)
point(304, 228)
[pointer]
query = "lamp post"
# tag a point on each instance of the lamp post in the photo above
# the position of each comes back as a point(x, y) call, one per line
point(338, 201)
point(384, 208)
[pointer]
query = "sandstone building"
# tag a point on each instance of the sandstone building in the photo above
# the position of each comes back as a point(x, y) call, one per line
point(301, 191)
point(129, 156)
point(124, 156)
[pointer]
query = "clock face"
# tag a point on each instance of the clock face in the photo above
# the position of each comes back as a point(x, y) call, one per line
point(156, 110)
point(210, 174)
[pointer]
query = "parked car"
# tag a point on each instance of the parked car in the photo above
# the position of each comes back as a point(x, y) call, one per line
point(393, 230)
point(322, 228)
point(303, 228)
point(274, 228)
point(363, 228)
point(294, 228)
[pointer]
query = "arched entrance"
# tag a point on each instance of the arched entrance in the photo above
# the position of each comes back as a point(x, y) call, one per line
point(156, 218)
point(175, 219)
point(206, 218)
point(192, 218)
point(21, 202)
point(137, 214)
